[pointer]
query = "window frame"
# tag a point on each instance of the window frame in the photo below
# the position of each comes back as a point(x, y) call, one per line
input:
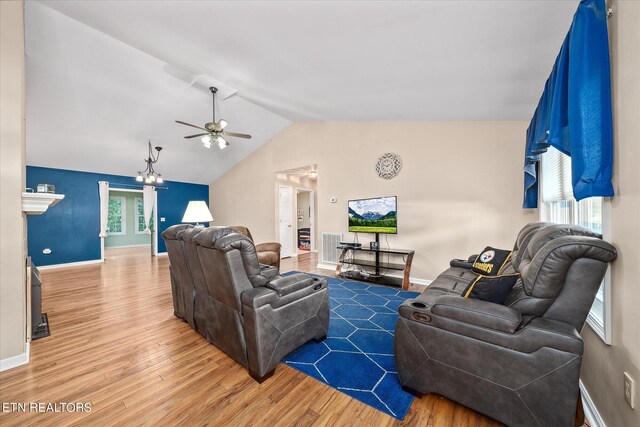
point(135, 204)
point(123, 217)
point(602, 329)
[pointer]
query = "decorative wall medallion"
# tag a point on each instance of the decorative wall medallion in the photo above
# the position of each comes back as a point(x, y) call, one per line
point(388, 166)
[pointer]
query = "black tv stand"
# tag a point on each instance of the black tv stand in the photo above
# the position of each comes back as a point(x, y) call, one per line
point(353, 256)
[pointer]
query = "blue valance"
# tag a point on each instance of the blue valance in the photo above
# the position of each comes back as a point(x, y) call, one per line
point(574, 111)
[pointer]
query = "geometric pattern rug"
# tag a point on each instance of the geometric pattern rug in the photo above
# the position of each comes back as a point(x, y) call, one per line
point(357, 357)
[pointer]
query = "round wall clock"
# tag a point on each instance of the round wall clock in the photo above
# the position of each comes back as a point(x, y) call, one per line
point(388, 166)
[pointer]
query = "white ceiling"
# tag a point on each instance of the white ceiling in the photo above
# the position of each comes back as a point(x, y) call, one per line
point(100, 84)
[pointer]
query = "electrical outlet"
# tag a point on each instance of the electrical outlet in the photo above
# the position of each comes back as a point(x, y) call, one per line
point(629, 390)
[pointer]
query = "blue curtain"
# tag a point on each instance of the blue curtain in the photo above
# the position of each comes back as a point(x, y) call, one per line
point(574, 111)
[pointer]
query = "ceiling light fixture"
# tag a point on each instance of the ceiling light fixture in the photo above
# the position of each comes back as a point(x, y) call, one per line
point(149, 175)
point(214, 130)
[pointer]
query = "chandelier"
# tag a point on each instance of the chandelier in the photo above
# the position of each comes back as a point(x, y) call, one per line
point(149, 175)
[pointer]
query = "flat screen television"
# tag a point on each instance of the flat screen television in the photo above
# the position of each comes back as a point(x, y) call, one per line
point(377, 215)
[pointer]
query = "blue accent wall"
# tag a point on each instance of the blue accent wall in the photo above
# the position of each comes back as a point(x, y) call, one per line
point(70, 229)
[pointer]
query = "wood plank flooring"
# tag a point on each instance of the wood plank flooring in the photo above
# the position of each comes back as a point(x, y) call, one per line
point(115, 344)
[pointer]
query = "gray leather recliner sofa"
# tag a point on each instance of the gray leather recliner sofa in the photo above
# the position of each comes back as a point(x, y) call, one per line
point(518, 362)
point(242, 307)
point(182, 290)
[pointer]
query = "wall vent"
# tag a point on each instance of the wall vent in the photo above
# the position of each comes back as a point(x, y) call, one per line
point(330, 241)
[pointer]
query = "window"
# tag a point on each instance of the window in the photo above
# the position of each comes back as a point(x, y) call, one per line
point(117, 219)
point(558, 205)
point(140, 217)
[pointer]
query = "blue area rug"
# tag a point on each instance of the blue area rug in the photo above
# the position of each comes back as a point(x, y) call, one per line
point(357, 356)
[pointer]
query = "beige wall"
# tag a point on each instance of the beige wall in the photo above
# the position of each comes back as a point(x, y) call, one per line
point(12, 160)
point(460, 187)
point(603, 367)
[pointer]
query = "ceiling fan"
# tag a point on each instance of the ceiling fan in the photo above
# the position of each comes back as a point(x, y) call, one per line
point(214, 131)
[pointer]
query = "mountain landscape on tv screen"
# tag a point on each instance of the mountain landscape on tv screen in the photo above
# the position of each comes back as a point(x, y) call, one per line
point(373, 216)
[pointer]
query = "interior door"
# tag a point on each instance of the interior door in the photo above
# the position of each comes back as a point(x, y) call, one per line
point(285, 198)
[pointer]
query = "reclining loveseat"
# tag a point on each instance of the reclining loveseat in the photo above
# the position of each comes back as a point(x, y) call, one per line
point(518, 362)
point(242, 307)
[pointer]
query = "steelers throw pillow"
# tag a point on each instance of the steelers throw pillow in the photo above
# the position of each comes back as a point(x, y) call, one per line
point(491, 261)
point(495, 289)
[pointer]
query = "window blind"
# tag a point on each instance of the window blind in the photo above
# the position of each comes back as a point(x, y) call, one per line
point(556, 176)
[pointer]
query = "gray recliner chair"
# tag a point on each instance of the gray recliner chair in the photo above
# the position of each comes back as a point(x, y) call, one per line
point(182, 289)
point(243, 307)
point(200, 300)
point(518, 362)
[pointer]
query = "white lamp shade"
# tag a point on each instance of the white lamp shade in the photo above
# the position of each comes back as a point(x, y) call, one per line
point(197, 211)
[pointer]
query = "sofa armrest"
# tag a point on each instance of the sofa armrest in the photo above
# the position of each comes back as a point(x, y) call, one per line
point(269, 271)
point(268, 247)
point(257, 297)
point(289, 284)
point(477, 312)
point(462, 263)
point(541, 332)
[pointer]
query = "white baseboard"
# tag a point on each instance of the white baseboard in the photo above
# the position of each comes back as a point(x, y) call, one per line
point(162, 254)
point(590, 411)
point(128, 246)
point(15, 361)
point(70, 264)
point(415, 280)
point(326, 266)
point(418, 281)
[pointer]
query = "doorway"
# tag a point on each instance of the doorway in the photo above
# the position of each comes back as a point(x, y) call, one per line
point(285, 209)
point(126, 235)
point(305, 227)
point(296, 213)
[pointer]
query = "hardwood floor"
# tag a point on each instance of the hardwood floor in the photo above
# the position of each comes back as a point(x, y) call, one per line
point(115, 344)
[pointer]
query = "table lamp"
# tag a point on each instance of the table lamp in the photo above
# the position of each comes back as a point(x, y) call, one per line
point(197, 211)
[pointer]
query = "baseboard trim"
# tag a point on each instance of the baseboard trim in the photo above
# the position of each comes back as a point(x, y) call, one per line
point(128, 246)
point(15, 361)
point(415, 280)
point(590, 411)
point(418, 281)
point(70, 264)
point(162, 254)
point(326, 266)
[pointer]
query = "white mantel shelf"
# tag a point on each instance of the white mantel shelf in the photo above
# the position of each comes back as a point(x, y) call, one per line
point(38, 203)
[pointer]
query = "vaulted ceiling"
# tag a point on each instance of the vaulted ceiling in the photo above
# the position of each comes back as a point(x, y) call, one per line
point(103, 77)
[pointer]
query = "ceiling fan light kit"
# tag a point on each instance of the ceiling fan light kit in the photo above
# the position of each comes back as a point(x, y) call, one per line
point(214, 130)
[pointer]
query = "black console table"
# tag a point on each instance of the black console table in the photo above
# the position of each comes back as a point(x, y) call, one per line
point(402, 262)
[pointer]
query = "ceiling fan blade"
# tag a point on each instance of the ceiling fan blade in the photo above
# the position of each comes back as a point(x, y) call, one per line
point(237, 135)
point(189, 124)
point(196, 135)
